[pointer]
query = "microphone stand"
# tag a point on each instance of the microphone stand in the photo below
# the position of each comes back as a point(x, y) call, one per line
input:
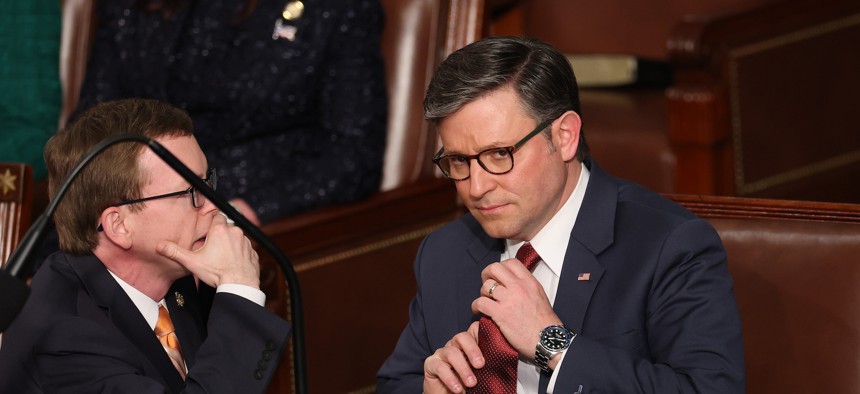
point(37, 231)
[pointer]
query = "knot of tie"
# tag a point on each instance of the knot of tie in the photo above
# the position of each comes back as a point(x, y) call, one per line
point(528, 256)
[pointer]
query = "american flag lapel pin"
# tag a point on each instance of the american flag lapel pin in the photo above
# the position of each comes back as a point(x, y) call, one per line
point(584, 276)
point(283, 30)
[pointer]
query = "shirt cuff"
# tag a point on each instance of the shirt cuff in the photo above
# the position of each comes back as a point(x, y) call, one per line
point(551, 385)
point(249, 293)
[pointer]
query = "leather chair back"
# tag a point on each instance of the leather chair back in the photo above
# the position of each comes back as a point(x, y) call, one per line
point(418, 35)
point(78, 29)
point(16, 195)
point(796, 268)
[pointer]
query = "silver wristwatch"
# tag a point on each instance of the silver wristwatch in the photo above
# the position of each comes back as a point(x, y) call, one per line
point(553, 340)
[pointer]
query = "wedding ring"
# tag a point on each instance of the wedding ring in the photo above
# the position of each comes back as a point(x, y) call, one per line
point(493, 287)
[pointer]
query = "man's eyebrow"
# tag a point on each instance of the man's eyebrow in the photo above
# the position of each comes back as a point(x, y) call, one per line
point(492, 145)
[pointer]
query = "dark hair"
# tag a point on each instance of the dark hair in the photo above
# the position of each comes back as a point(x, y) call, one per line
point(112, 176)
point(539, 74)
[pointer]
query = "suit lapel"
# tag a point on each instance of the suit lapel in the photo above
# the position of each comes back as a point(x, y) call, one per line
point(483, 251)
point(593, 232)
point(125, 317)
point(186, 316)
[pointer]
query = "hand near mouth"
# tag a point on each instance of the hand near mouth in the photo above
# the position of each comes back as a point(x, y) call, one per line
point(226, 256)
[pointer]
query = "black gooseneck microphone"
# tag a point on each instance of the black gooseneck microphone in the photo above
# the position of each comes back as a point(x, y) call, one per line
point(37, 231)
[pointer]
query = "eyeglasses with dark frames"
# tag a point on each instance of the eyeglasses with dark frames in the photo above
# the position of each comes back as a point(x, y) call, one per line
point(197, 199)
point(496, 161)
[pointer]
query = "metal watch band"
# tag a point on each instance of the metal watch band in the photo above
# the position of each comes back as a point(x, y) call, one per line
point(543, 355)
point(542, 359)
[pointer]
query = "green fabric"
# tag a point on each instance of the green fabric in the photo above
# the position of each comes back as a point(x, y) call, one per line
point(29, 79)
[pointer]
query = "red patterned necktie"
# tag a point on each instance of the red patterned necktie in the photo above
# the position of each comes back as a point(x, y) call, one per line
point(499, 374)
point(167, 336)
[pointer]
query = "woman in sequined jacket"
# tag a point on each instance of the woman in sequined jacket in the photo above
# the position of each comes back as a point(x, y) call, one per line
point(287, 97)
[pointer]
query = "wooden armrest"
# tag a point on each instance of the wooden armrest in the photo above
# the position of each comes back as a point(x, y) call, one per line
point(308, 235)
point(717, 207)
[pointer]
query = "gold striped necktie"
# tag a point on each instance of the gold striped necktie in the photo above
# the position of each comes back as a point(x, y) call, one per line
point(167, 336)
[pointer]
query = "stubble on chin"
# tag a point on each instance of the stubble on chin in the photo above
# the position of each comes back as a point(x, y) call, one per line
point(495, 227)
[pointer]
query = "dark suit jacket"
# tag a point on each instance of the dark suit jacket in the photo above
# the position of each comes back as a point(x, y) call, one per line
point(657, 316)
point(80, 333)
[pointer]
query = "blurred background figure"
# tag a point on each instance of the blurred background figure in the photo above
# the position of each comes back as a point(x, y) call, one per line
point(287, 97)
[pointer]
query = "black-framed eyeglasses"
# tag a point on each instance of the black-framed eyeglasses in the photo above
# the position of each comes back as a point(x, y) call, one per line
point(197, 199)
point(496, 161)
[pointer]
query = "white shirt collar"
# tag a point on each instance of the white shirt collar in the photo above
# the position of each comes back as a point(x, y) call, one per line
point(551, 241)
point(147, 307)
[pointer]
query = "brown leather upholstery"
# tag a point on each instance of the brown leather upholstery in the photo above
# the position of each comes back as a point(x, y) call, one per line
point(16, 195)
point(764, 102)
point(417, 36)
point(795, 267)
point(410, 140)
point(78, 28)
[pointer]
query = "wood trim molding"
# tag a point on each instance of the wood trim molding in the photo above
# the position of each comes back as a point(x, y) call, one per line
point(718, 207)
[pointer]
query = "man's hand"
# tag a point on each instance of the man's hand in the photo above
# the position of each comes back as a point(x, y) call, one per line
point(226, 256)
point(449, 369)
point(518, 305)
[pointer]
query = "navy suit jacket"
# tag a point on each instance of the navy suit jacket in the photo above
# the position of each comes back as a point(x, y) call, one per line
point(80, 333)
point(657, 315)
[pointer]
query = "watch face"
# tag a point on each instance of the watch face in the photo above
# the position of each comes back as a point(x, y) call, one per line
point(554, 338)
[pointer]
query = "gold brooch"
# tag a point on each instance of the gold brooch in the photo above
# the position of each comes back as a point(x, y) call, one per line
point(292, 11)
point(180, 299)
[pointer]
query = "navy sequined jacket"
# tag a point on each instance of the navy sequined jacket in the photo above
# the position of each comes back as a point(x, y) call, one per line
point(289, 124)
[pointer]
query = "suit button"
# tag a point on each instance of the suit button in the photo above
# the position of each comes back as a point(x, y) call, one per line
point(258, 375)
point(267, 355)
point(261, 365)
point(271, 345)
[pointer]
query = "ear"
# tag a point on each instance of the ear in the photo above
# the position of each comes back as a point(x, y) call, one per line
point(114, 227)
point(567, 137)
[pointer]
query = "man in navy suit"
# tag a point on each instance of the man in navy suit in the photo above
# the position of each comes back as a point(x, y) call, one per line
point(631, 292)
point(131, 232)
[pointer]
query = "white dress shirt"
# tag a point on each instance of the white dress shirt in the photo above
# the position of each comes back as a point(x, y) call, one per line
point(149, 308)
